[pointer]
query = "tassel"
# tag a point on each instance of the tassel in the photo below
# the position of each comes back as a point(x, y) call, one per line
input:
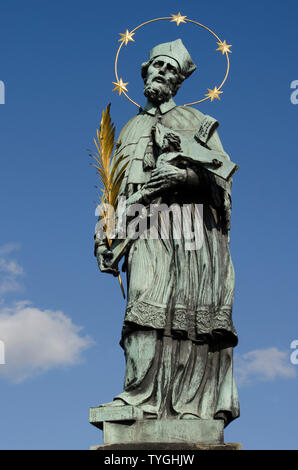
point(149, 162)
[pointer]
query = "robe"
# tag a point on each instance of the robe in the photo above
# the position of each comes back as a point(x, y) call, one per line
point(178, 334)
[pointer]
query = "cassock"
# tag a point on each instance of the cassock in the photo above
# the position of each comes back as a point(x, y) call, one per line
point(178, 334)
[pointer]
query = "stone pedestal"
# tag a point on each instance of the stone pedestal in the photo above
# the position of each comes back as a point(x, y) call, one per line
point(168, 447)
point(118, 414)
point(164, 430)
point(124, 428)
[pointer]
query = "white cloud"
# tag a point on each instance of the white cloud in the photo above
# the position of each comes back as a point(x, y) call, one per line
point(10, 270)
point(9, 285)
point(35, 340)
point(10, 267)
point(8, 248)
point(263, 364)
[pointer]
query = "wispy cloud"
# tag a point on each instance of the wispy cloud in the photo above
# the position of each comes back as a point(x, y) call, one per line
point(8, 248)
point(264, 365)
point(10, 270)
point(38, 340)
point(10, 267)
point(35, 340)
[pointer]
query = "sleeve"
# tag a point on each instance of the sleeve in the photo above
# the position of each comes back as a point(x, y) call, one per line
point(220, 189)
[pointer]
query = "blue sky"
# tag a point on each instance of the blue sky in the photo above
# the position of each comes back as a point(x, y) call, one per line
point(60, 318)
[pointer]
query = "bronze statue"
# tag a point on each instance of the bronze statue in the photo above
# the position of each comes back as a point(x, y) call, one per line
point(178, 335)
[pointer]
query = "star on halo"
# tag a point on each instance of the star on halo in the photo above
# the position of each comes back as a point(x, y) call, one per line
point(224, 47)
point(120, 86)
point(213, 93)
point(126, 37)
point(178, 18)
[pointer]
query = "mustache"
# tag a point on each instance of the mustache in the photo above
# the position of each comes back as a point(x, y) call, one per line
point(157, 94)
point(157, 79)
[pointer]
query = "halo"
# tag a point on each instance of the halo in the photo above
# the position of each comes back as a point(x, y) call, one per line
point(126, 37)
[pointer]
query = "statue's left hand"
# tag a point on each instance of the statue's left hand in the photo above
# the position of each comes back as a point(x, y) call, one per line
point(103, 255)
point(167, 176)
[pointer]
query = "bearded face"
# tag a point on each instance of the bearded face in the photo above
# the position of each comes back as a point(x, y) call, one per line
point(162, 80)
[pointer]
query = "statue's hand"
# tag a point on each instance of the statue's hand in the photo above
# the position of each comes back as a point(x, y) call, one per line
point(167, 176)
point(103, 255)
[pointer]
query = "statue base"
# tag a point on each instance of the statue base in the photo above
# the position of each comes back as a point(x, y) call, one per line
point(124, 427)
point(148, 446)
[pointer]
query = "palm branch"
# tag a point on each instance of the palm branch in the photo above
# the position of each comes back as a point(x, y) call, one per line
point(110, 170)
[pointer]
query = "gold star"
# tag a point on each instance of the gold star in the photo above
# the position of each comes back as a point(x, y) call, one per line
point(178, 18)
point(120, 86)
point(214, 94)
point(224, 47)
point(125, 37)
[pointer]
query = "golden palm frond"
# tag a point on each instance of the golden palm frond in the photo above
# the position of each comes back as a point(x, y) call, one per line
point(110, 173)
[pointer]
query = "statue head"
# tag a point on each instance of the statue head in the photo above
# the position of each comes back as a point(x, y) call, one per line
point(168, 66)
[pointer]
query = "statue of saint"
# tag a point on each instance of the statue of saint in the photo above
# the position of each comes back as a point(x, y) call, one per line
point(178, 335)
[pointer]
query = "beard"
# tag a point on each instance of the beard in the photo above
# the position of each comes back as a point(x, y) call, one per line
point(157, 92)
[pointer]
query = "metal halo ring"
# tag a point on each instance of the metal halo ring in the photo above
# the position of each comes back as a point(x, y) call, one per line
point(185, 20)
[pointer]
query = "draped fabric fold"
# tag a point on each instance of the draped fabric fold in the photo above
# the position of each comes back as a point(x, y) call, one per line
point(178, 334)
point(176, 378)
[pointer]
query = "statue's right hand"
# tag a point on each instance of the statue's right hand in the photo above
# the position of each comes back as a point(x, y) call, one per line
point(103, 255)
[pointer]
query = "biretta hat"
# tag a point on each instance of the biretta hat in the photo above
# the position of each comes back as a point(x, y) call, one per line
point(176, 50)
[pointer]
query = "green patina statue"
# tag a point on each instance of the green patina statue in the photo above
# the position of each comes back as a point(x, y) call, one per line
point(178, 335)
